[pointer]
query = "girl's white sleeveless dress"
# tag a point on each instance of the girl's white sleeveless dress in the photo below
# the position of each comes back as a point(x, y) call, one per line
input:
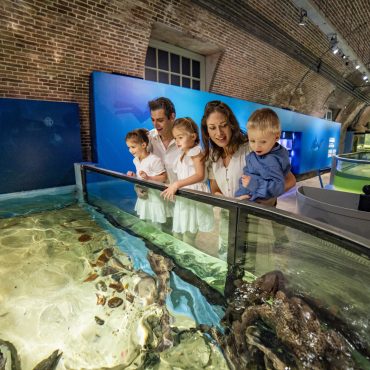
point(153, 207)
point(189, 215)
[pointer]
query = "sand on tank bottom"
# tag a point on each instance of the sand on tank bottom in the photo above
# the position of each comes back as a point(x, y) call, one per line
point(47, 304)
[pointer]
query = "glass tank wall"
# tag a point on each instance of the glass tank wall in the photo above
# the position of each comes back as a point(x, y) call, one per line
point(361, 142)
point(297, 292)
point(350, 172)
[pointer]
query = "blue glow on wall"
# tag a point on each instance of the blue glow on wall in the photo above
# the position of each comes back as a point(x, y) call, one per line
point(39, 142)
point(120, 104)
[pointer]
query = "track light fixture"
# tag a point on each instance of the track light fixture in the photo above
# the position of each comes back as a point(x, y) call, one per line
point(333, 43)
point(335, 47)
point(302, 17)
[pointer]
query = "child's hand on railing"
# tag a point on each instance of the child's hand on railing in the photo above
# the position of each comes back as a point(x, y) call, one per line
point(170, 191)
point(144, 175)
point(131, 173)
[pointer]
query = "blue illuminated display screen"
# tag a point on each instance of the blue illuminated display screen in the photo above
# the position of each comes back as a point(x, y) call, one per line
point(120, 104)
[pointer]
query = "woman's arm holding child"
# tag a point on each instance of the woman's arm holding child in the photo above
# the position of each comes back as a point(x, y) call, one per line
point(214, 187)
point(289, 182)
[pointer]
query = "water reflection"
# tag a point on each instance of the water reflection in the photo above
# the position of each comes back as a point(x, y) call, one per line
point(320, 285)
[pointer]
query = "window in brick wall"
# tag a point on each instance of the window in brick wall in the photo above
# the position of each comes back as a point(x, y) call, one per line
point(329, 115)
point(175, 66)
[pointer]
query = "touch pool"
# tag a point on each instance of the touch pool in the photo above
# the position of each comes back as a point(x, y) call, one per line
point(78, 293)
point(68, 284)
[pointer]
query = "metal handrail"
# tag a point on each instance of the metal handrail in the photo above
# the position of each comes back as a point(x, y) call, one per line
point(342, 157)
point(322, 230)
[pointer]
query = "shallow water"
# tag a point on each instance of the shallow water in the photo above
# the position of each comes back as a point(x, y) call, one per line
point(55, 276)
point(50, 298)
point(352, 178)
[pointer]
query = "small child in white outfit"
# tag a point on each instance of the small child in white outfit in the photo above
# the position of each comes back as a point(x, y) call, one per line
point(189, 216)
point(149, 205)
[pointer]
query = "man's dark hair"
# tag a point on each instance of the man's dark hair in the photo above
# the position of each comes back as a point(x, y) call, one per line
point(162, 103)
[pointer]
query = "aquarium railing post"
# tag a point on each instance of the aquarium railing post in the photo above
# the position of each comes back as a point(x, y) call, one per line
point(333, 168)
point(83, 180)
point(238, 228)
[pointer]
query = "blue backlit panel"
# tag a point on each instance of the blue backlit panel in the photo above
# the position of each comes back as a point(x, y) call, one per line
point(120, 104)
point(39, 142)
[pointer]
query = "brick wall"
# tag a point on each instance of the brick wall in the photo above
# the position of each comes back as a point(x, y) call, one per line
point(48, 49)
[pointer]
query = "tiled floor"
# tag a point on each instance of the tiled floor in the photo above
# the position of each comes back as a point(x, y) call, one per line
point(287, 201)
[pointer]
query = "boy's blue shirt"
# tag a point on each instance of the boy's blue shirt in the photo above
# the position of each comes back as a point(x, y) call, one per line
point(267, 174)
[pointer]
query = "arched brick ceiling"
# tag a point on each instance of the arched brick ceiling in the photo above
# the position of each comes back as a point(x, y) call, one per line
point(352, 19)
point(276, 22)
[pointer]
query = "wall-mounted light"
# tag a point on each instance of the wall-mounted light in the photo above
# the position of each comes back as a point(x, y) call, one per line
point(302, 17)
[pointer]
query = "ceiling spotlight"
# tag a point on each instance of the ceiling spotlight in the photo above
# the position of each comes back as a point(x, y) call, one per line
point(365, 78)
point(333, 42)
point(302, 17)
point(344, 56)
point(357, 66)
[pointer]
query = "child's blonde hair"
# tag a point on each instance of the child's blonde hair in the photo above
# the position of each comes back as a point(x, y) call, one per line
point(139, 136)
point(188, 125)
point(265, 120)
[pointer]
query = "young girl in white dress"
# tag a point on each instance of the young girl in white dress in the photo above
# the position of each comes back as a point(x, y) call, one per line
point(189, 216)
point(149, 205)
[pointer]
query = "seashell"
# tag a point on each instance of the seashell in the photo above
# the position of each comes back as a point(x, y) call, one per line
point(100, 285)
point(104, 257)
point(99, 321)
point(100, 299)
point(108, 270)
point(80, 231)
point(108, 252)
point(146, 289)
point(116, 286)
point(84, 238)
point(117, 263)
point(50, 362)
point(91, 277)
point(117, 276)
point(130, 297)
point(115, 302)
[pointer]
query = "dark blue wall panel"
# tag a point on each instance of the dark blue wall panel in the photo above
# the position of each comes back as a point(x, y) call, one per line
point(120, 104)
point(39, 142)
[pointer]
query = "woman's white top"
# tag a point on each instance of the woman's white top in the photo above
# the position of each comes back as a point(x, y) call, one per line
point(184, 168)
point(152, 165)
point(227, 178)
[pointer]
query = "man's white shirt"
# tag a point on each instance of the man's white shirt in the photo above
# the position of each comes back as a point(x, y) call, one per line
point(168, 156)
